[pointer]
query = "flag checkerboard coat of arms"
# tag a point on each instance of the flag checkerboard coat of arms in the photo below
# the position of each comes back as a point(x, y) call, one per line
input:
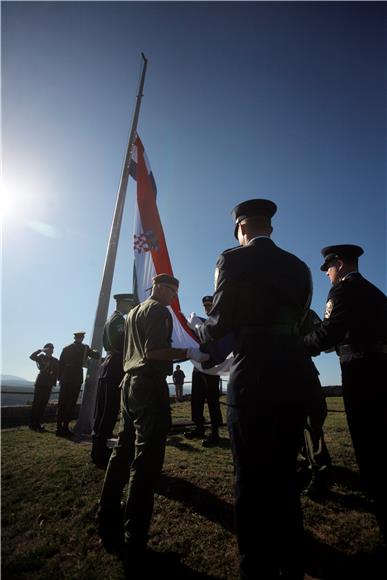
point(151, 255)
point(150, 249)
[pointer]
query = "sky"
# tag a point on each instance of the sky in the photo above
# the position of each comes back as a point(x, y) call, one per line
point(242, 100)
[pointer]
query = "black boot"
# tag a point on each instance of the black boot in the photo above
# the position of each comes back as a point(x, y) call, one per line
point(212, 440)
point(197, 433)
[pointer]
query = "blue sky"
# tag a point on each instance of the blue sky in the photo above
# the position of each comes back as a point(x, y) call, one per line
point(278, 100)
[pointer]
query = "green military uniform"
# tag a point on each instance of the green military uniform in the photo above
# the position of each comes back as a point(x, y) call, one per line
point(108, 391)
point(145, 423)
point(48, 375)
point(71, 362)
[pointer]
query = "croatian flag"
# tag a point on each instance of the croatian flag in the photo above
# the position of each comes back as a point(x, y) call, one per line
point(150, 249)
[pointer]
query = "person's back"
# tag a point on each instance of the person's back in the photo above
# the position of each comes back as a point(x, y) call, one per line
point(145, 329)
point(262, 295)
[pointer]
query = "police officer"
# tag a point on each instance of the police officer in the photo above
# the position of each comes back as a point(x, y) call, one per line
point(205, 387)
point(261, 295)
point(72, 359)
point(314, 460)
point(145, 422)
point(355, 324)
point(48, 367)
point(110, 377)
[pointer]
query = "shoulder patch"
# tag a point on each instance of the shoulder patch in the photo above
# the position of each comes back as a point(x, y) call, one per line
point(328, 309)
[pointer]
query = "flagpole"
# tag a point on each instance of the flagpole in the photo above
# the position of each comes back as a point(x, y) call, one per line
point(84, 423)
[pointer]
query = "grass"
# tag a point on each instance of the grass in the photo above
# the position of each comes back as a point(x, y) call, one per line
point(51, 490)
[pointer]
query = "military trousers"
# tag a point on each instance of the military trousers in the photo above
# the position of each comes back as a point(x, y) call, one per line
point(106, 412)
point(205, 387)
point(68, 396)
point(41, 397)
point(365, 399)
point(265, 440)
point(139, 454)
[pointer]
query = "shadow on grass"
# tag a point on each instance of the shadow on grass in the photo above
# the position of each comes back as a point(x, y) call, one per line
point(166, 565)
point(198, 499)
point(327, 563)
point(187, 445)
point(344, 476)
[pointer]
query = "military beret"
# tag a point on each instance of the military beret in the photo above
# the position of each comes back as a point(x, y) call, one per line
point(252, 208)
point(79, 333)
point(48, 345)
point(124, 297)
point(207, 299)
point(165, 279)
point(340, 251)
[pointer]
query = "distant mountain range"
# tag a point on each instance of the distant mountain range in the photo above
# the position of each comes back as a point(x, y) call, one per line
point(17, 391)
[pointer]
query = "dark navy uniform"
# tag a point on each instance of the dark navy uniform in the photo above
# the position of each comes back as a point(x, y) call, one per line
point(71, 362)
point(204, 388)
point(355, 324)
point(262, 293)
point(48, 375)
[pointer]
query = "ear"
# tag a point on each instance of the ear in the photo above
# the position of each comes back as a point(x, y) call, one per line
point(340, 265)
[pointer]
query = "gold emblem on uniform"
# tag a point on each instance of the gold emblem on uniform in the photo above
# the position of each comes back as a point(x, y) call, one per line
point(328, 309)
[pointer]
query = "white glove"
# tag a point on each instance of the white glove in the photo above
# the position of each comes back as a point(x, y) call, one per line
point(197, 355)
point(194, 321)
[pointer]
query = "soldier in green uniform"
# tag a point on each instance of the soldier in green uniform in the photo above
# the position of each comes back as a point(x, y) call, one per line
point(355, 324)
point(48, 367)
point(71, 362)
point(145, 422)
point(110, 377)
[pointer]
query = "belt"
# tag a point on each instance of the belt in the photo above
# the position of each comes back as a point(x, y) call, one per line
point(271, 330)
point(360, 349)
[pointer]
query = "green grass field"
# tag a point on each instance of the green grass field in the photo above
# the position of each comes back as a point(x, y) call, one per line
point(50, 491)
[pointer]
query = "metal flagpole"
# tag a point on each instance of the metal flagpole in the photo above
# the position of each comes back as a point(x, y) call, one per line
point(84, 423)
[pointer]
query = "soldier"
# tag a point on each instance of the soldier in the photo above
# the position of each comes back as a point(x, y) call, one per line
point(205, 387)
point(262, 293)
point(72, 359)
point(355, 324)
point(178, 380)
point(48, 367)
point(110, 377)
point(145, 422)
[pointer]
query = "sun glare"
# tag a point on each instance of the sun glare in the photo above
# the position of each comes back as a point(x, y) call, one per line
point(5, 205)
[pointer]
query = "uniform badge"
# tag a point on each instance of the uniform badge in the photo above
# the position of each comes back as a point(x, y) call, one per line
point(328, 309)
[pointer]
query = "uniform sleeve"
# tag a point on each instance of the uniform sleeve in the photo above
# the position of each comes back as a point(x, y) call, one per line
point(158, 329)
point(35, 355)
point(221, 317)
point(333, 328)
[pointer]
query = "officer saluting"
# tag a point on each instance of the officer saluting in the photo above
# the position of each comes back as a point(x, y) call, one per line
point(355, 323)
point(71, 362)
point(262, 294)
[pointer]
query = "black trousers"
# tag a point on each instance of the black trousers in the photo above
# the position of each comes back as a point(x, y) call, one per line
point(365, 400)
point(139, 455)
point(106, 412)
point(205, 387)
point(68, 396)
point(41, 397)
point(265, 440)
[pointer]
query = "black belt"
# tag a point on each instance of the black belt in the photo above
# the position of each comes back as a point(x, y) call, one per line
point(270, 330)
point(360, 349)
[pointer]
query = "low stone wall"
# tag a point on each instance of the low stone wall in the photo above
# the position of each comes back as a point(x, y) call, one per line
point(20, 414)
